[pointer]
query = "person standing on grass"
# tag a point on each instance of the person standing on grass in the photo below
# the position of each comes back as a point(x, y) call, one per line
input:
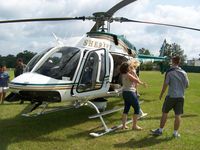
point(134, 65)
point(129, 82)
point(177, 81)
point(4, 78)
point(19, 69)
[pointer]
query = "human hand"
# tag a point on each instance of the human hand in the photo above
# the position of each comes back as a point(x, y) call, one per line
point(145, 84)
point(160, 97)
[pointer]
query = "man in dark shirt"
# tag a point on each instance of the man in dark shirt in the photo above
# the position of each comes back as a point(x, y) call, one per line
point(19, 69)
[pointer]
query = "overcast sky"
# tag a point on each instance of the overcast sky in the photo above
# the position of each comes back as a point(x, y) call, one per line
point(15, 38)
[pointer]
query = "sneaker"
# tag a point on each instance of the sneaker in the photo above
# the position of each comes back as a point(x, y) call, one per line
point(156, 132)
point(176, 135)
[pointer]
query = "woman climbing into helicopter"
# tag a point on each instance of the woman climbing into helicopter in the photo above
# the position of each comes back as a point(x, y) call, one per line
point(129, 82)
point(134, 64)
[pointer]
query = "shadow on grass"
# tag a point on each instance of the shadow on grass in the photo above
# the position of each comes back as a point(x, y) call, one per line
point(19, 129)
point(98, 129)
point(142, 143)
point(169, 117)
point(148, 100)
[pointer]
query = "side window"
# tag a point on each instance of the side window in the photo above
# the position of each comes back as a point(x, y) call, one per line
point(103, 69)
point(93, 72)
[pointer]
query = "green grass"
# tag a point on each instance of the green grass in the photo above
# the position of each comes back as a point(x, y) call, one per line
point(70, 129)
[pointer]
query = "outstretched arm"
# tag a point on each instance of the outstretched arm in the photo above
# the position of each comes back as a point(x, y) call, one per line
point(135, 79)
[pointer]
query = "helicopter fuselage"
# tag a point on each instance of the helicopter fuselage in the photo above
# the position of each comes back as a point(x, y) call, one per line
point(83, 72)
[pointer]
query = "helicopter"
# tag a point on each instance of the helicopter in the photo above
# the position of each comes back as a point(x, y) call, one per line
point(78, 73)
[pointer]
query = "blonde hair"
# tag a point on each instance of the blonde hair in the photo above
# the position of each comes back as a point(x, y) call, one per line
point(134, 63)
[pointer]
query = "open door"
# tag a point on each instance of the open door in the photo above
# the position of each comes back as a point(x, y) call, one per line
point(93, 77)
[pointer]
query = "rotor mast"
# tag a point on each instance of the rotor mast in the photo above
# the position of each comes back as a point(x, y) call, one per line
point(103, 21)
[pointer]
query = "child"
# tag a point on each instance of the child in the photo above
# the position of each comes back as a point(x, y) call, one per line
point(4, 78)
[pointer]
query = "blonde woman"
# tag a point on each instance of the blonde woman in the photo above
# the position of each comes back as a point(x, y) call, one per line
point(134, 64)
point(129, 82)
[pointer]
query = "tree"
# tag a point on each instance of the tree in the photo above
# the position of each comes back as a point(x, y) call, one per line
point(26, 56)
point(171, 50)
point(144, 51)
point(8, 60)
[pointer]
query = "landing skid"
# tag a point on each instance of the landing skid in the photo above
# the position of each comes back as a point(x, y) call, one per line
point(95, 134)
point(101, 114)
point(41, 108)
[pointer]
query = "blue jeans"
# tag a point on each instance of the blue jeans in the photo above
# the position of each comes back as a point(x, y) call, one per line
point(130, 99)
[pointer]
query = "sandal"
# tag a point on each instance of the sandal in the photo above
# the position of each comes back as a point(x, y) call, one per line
point(124, 128)
point(137, 128)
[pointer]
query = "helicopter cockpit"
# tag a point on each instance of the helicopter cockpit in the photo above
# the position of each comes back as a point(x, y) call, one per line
point(61, 63)
point(35, 59)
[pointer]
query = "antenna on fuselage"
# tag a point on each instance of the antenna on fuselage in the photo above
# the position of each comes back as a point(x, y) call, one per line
point(57, 39)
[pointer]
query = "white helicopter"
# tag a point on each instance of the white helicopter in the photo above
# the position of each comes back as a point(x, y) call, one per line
point(78, 73)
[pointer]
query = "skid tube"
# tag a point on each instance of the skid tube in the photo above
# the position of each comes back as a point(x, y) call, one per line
point(101, 114)
point(29, 112)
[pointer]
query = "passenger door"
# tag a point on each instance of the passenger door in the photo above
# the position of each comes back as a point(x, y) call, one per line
point(92, 79)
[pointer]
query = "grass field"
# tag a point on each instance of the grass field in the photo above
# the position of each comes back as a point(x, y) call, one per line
point(70, 129)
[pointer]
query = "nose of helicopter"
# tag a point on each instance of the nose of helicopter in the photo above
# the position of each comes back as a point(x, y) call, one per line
point(35, 87)
point(33, 78)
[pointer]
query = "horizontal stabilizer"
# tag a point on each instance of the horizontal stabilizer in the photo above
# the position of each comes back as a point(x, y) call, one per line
point(155, 58)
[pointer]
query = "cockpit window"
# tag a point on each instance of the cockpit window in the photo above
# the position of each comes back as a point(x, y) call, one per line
point(35, 59)
point(61, 64)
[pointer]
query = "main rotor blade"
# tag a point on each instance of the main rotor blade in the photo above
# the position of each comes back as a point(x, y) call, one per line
point(111, 11)
point(157, 23)
point(118, 6)
point(42, 19)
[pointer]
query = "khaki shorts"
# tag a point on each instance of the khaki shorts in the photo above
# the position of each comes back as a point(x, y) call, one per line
point(173, 103)
point(3, 89)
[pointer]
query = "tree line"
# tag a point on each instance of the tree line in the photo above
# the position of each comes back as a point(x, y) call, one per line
point(10, 60)
point(168, 50)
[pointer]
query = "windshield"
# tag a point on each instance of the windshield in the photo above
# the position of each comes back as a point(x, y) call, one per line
point(34, 60)
point(62, 64)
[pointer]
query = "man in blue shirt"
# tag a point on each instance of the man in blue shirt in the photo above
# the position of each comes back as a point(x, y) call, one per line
point(177, 81)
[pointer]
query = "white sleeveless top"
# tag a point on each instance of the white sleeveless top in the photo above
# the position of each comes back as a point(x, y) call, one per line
point(128, 85)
